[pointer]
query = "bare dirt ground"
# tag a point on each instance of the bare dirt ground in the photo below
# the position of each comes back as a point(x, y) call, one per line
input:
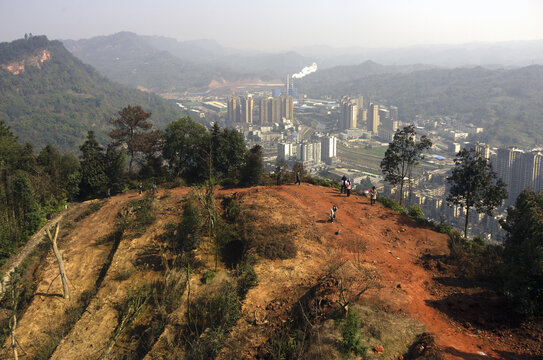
point(394, 245)
point(413, 282)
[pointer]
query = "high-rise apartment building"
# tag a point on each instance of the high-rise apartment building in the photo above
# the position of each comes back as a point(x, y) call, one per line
point(284, 151)
point(531, 171)
point(274, 110)
point(394, 113)
point(287, 109)
point(264, 105)
point(233, 113)
point(246, 110)
point(360, 102)
point(362, 117)
point(373, 118)
point(483, 150)
point(328, 148)
point(310, 153)
point(508, 168)
point(348, 117)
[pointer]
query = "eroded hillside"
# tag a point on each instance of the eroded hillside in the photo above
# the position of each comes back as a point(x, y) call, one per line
point(130, 295)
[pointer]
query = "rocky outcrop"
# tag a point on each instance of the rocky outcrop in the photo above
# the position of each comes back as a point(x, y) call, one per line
point(18, 67)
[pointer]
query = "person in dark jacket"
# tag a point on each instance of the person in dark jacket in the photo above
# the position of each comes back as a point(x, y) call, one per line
point(343, 180)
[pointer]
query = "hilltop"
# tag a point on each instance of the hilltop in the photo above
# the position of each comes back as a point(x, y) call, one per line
point(48, 96)
point(393, 271)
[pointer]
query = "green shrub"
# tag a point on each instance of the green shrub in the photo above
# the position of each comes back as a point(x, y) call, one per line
point(189, 229)
point(352, 341)
point(208, 275)
point(415, 212)
point(272, 241)
point(229, 182)
point(392, 205)
point(217, 310)
point(475, 260)
point(321, 182)
point(445, 229)
point(208, 345)
point(246, 279)
point(231, 209)
point(231, 246)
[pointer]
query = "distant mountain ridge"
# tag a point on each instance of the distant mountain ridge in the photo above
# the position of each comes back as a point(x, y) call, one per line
point(149, 62)
point(48, 96)
point(506, 102)
point(165, 65)
point(490, 54)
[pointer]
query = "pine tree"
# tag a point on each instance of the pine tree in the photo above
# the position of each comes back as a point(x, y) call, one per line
point(133, 130)
point(93, 167)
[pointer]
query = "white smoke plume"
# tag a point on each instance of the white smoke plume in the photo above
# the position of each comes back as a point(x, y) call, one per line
point(305, 71)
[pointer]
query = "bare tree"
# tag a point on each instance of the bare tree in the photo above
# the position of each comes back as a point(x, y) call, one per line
point(13, 301)
point(62, 271)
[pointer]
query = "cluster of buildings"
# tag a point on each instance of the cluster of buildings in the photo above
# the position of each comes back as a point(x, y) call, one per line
point(271, 110)
point(313, 153)
point(357, 121)
point(519, 169)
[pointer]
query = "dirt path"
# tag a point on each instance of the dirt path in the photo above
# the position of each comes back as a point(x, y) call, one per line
point(17, 259)
point(394, 244)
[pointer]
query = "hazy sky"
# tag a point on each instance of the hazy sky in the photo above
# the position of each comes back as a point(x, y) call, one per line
point(281, 24)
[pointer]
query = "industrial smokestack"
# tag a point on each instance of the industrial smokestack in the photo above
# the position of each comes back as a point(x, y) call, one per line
point(305, 71)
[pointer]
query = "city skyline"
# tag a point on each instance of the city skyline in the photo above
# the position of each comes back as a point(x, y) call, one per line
point(282, 25)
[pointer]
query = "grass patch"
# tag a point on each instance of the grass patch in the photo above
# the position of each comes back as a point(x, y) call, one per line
point(91, 209)
point(137, 216)
point(391, 204)
point(352, 340)
point(321, 182)
point(213, 314)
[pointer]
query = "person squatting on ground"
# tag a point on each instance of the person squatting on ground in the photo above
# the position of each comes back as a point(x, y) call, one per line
point(333, 211)
point(343, 180)
point(348, 186)
point(373, 195)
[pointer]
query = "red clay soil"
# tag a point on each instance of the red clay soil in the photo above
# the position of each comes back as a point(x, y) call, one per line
point(395, 245)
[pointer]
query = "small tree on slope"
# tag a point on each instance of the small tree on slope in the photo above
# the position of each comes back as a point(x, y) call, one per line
point(403, 153)
point(475, 185)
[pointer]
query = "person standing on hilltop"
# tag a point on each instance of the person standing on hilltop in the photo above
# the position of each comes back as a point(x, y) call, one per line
point(333, 211)
point(343, 180)
point(348, 186)
point(298, 181)
point(373, 196)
